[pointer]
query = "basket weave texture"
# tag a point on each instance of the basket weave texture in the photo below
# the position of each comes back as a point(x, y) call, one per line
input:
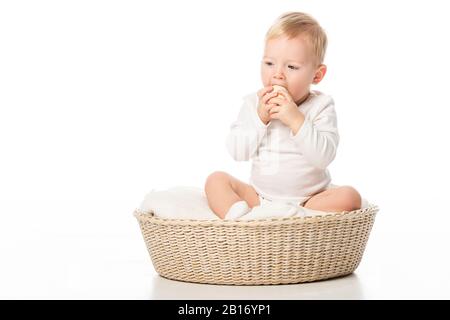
point(257, 252)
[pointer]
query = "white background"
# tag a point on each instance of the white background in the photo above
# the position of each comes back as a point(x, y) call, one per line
point(102, 101)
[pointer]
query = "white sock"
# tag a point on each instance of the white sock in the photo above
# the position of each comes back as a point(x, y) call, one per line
point(237, 210)
point(272, 209)
point(364, 203)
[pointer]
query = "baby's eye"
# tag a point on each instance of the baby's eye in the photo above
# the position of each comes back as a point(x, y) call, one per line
point(292, 67)
point(268, 63)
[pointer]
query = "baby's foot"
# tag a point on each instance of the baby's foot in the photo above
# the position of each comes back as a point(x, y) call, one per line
point(237, 210)
point(269, 209)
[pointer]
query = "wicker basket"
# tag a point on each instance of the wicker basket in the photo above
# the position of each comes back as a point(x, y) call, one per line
point(257, 252)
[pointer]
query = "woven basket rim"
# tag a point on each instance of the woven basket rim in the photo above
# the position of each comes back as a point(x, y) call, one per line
point(150, 216)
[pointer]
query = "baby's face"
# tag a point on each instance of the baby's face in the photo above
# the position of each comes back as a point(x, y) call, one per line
point(289, 63)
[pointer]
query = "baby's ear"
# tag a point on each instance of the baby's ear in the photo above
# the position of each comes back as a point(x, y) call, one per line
point(319, 74)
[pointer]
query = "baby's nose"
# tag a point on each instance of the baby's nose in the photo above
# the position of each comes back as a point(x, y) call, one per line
point(278, 75)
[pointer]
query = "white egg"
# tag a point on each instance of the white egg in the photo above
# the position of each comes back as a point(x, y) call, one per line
point(277, 88)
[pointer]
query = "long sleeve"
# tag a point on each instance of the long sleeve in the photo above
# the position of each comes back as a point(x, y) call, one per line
point(318, 137)
point(246, 132)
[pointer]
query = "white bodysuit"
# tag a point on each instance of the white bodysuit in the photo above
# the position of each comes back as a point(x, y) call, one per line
point(287, 167)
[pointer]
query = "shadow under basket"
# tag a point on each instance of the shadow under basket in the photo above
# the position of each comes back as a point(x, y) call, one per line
point(257, 252)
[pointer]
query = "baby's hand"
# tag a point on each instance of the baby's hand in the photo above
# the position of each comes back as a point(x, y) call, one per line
point(264, 95)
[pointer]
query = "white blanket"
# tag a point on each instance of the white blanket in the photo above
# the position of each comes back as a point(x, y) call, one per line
point(184, 202)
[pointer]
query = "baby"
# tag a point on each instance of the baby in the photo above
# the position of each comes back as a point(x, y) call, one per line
point(289, 131)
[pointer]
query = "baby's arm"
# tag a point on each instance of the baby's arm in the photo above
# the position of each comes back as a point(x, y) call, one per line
point(246, 133)
point(318, 136)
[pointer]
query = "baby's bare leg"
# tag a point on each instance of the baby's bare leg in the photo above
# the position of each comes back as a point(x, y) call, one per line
point(223, 190)
point(344, 198)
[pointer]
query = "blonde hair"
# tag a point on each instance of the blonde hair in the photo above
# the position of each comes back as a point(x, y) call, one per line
point(293, 24)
